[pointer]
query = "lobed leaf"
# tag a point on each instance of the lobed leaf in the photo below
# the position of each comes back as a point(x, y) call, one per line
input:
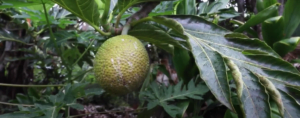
point(210, 45)
point(87, 10)
point(162, 95)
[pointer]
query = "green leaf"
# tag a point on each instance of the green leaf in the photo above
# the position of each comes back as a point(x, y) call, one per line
point(122, 4)
point(229, 114)
point(210, 47)
point(291, 17)
point(164, 8)
point(201, 8)
point(268, 3)
point(49, 110)
point(5, 36)
point(260, 17)
point(76, 106)
point(23, 99)
point(162, 95)
point(20, 3)
point(183, 105)
point(20, 115)
point(186, 7)
point(125, 4)
point(286, 45)
point(249, 30)
point(260, 5)
point(73, 92)
point(163, 69)
point(227, 14)
point(93, 89)
point(213, 7)
point(153, 34)
point(272, 30)
point(181, 61)
point(87, 10)
point(33, 93)
point(292, 107)
point(170, 23)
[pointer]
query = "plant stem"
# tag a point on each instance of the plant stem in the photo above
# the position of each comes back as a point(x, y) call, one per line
point(105, 13)
point(13, 40)
point(54, 40)
point(67, 112)
point(125, 29)
point(14, 104)
point(100, 31)
point(22, 85)
point(49, 26)
point(133, 23)
point(81, 81)
point(120, 15)
point(84, 52)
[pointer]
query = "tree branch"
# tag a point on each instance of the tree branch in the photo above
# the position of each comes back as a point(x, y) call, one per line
point(143, 12)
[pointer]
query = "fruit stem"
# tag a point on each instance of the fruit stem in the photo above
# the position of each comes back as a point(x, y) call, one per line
point(125, 29)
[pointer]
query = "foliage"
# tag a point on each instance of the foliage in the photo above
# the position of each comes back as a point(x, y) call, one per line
point(49, 106)
point(207, 66)
point(277, 30)
point(162, 95)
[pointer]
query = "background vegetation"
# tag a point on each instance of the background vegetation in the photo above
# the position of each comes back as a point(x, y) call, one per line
point(212, 58)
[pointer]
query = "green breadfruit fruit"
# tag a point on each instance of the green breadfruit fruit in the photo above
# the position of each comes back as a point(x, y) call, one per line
point(121, 64)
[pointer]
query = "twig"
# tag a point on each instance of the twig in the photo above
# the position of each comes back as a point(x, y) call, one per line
point(143, 12)
point(84, 52)
point(22, 85)
point(14, 104)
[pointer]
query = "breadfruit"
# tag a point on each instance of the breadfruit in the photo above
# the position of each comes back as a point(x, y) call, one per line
point(121, 64)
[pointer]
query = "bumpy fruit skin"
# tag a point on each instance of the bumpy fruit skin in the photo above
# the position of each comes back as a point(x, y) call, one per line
point(121, 64)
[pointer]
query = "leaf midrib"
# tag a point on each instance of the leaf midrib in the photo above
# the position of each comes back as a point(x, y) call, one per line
point(223, 94)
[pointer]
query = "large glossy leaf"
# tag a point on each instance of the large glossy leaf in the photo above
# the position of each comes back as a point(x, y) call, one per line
point(87, 10)
point(125, 4)
point(164, 8)
point(272, 30)
point(260, 17)
point(213, 7)
point(251, 57)
point(22, 3)
point(286, 45)
point(259, 5)
point(186, 7)
point(268, 3)
point(153, 34)
point(291, 17)
point(297, 31)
